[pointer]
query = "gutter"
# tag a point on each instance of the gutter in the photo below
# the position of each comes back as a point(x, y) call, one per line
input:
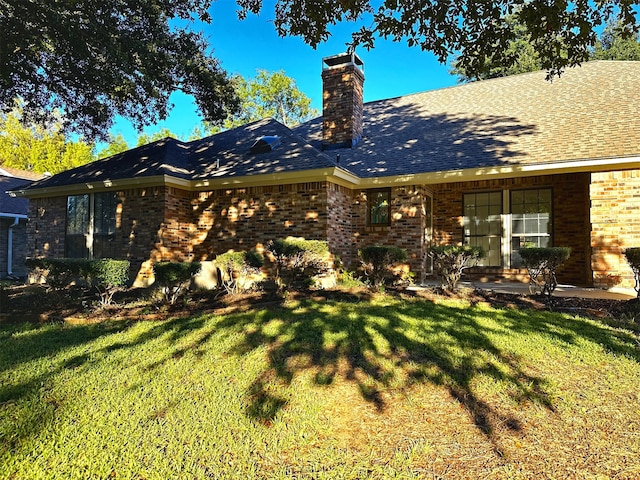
point(16, 220)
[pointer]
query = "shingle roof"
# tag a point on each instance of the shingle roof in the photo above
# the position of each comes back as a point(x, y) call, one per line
point(226, 154)
point(590, 112)
point(12, 205)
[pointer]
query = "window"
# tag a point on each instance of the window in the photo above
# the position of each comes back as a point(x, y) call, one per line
point(91, 225)
point(77, 226)
point(530, 221)
point(482, 225)
point(378, 202)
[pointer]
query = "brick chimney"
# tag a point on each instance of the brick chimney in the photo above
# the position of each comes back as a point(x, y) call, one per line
point(342, 93)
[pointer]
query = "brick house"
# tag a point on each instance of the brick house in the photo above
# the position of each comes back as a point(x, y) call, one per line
point(499, 163)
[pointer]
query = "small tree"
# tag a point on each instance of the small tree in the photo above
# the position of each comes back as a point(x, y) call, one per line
point(541, 264)
point(108, 276)
point(377, 261)
point(633, 257)
point(236, 269)
point(174, 277)
point(450, 261)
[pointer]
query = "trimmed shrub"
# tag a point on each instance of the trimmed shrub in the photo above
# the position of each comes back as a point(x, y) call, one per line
point(541, 264)
point(174, 277)
point(377, 261)
point(237, 268)
point(299, 259)
point(58, 273)
point(108, 276)
point(633, 258)
point(450, 261)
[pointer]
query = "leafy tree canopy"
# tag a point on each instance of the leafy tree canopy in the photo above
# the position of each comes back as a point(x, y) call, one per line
point(561, 32)
point(39, 148)
point(617, 42)
point(269, 94)
point(95, 59)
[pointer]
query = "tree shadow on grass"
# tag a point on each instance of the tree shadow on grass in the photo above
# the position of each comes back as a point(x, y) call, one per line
point(376, 346)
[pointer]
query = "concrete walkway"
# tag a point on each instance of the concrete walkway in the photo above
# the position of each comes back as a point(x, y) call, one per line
point(615, 293)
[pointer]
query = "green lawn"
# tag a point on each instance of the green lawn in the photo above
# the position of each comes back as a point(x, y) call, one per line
point(387, 388)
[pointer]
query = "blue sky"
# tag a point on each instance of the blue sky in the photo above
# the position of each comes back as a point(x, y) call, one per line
point(391, 68)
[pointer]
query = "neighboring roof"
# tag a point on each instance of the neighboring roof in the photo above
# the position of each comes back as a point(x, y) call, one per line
point(224, 155)
point(14, 179)
point(591, 112)
point(586, 120)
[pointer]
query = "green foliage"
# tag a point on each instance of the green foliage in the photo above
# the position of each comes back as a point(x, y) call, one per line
point(561, 33)
point(108, 276)
point(58, 273)
point(98, 60)
point(521, 51)
point(115, 144)
point(633, 258)
point(541, 264)
point(146, 138)
point(377, 261)
point(298, 258)
point(237, 268)
point(450, 261)
point(174, 277)
point(269, 95)
point(39, 148)
point(617, 42)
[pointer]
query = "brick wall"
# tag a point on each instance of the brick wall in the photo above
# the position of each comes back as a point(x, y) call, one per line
point(246, 218)
point(405, 231)
point(570, 216)
point(342, 100)
point(340, 233)
point(615, 219)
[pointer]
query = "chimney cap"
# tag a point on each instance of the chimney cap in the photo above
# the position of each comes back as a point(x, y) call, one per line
point(343, 59)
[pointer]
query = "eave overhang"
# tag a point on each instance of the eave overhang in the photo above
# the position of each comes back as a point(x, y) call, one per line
point(341, 177)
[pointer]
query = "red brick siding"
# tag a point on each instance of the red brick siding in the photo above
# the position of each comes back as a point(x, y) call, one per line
point(342, 100)
point(340, 234)
point(570, 215)
point(244, 218)
point(615, 219)
point(406, 229)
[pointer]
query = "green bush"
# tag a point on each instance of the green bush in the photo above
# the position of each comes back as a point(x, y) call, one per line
point(237, 268)
point(58, 273)
point(174, 277)
point(108, 276)
point(450, 261)
point(377, 261)
point(299, 259)
point(541, 264)
point(633, 258)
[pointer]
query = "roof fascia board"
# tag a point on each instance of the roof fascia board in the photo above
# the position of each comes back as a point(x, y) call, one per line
point(334, 175)
point(473, 174)
point(91, 187)
point(341, 177)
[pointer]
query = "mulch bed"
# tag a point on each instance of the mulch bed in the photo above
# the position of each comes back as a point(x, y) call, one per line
point(34, 303)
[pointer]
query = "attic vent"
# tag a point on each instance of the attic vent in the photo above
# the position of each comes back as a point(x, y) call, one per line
point(265, 144)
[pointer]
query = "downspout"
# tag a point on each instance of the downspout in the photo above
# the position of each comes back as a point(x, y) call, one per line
point(16, 221)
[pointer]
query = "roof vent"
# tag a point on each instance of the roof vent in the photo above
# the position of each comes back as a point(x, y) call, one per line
point(265, 144)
